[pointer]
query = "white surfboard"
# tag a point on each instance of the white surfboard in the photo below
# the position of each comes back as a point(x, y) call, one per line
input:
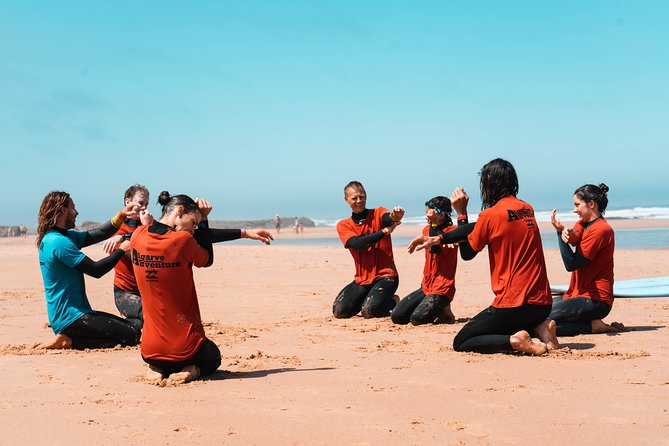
point(650, 287)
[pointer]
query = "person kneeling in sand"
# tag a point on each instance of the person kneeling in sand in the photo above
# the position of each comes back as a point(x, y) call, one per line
point(517, 269)
point(432, 301)
point(163, 254)
point(126, 294)
point(366, 234)
point(589, 298)
point(63, 266)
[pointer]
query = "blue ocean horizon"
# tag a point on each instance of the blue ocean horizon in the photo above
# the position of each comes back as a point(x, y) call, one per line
point(626, 238)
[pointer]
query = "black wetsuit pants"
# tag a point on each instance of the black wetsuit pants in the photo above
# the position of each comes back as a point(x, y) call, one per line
point(489, 331)
point(102, 330)
point(572, 316)
point(418, 308)
point(129, 304)
point(207, 359)
point(374, 300)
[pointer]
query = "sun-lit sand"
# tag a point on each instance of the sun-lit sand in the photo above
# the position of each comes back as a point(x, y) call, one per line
point(292, 374)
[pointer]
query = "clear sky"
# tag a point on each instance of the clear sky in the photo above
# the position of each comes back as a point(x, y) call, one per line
point(271, 107)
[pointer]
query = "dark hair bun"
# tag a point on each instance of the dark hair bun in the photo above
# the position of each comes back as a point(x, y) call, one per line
point(164, 198)
point(604, 188)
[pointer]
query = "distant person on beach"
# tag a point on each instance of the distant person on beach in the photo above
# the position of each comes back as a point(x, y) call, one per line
point(366, 234)
point(23, 231)
point(296, 225)
point(517, 269)
point(277, 223)
point(63, 265)
point(163, 255)
point(589, 298)
point(126, 294)
point(432, 301)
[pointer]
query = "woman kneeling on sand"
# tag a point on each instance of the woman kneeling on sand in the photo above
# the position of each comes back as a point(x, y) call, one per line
point(517, 269)
point(432, 301)
point(590, 295)
point(163, 254)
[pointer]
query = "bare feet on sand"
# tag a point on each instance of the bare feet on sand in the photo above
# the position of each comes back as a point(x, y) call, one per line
point(522, 342)
point(446, 317)
point(188, 373)
point(547, 332)
point(61, 341)
point(599, 326)
point(154, 375)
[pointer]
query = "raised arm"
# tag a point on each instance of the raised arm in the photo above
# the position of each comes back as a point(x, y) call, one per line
point(109, 228)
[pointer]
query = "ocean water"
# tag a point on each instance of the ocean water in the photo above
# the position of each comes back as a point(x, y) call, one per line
point(636, 213)
point(627, 238)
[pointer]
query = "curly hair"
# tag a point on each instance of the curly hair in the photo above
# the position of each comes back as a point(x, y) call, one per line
point(53, 206)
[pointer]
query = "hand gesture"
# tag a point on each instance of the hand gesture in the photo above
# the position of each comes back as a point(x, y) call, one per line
point(459, 201)
point(146, 217)
point(204, 205)
point(260, 235)
point(559, 227)
point(396, 214)
point(125, 246)
point(110, 245)
point(422, 242)
point(131, 209)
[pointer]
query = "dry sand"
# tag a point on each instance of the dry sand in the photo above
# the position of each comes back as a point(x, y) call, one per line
point(292, 374)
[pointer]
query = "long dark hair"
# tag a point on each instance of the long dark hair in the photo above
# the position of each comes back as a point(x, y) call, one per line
point(169, 202)
point(498, 180)
point(52, 207)
point(590, 192)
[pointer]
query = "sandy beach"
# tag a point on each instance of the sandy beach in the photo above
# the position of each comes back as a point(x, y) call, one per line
point(292, 374)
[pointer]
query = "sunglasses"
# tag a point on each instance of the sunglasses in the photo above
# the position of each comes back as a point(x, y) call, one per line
point(430, 204)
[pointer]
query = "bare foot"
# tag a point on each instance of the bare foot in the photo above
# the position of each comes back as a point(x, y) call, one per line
point(522, 342)
point(188, 373)
point(61, 341)
point(446, 317)
point(599, 326)
point(547, 332)
point(154, 375)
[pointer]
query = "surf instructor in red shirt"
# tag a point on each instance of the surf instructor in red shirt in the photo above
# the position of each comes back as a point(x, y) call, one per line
point(366, 234)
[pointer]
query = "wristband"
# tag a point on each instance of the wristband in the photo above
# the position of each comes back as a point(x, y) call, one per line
point(462, 217)
point(118, 219)
point(243, 231)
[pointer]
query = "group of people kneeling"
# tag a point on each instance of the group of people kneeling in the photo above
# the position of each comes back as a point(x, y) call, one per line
point(155, 293)
point(153, 283)
point(523, 316)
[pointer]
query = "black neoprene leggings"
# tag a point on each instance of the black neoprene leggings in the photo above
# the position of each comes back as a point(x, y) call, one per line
point(102, 330)
point(489, 331)
point(374, 300)
point(418, 308)
point(129, 304)
point(207, 359)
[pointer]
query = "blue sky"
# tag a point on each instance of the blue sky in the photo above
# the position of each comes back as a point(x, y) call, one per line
point(271, 106)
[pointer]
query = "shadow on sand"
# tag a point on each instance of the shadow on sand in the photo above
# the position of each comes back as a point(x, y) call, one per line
point(224, 374)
